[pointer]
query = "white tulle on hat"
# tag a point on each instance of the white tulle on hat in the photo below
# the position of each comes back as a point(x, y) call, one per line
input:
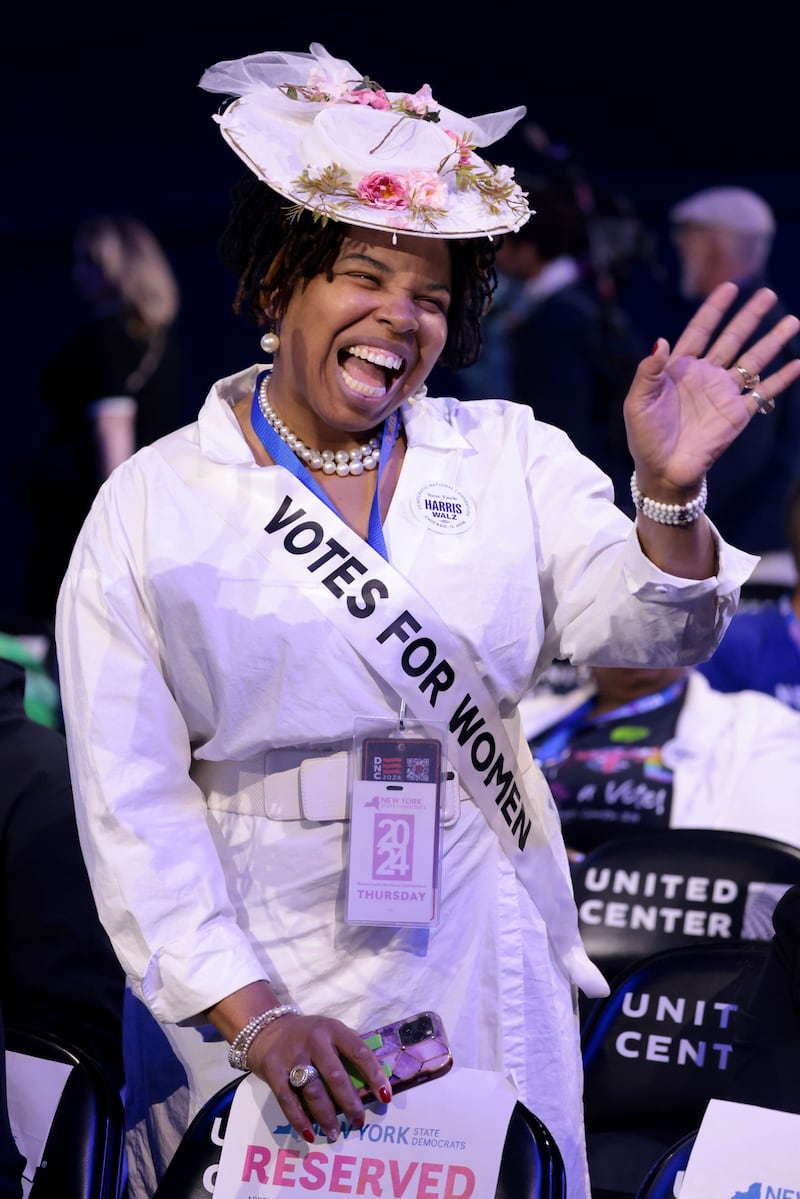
point(332, 141)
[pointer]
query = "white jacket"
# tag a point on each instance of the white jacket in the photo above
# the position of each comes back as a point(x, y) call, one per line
point(183, 654)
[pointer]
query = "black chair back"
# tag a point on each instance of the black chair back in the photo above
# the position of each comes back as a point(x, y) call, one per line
point(85, 1145)
point(531, 1166)
point(656, 1050)
point(639, 895)
point(663, 1181)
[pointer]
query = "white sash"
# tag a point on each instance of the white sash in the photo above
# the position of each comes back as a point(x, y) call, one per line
point(398, 634)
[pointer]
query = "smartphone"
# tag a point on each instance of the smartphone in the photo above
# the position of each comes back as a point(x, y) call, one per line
point(411, 1051)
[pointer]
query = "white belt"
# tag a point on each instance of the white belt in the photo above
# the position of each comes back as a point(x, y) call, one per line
point(295, 784)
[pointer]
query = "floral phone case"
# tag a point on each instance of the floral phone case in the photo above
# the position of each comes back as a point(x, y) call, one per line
point(411, 1051)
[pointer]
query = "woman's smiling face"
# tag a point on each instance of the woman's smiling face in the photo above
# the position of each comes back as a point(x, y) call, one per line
point(355, 345)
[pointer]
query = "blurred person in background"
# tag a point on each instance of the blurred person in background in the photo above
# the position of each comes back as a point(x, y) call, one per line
point(557, 336)
point(58, 972)
point(765, 1063)
point(114, 387)
point(639, 749)
point(572, 353)
point(725, 233)
point(761, 646)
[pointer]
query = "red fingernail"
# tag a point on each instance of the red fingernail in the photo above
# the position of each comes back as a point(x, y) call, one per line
point(307, 1135)
point(385, 1094)
point(655, 347)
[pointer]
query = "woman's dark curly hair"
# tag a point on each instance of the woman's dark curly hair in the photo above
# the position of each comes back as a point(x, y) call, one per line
point(271, 253)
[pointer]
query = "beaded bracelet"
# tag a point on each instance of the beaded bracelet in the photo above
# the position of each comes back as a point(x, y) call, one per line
point(669, 514)
point(237, 1054)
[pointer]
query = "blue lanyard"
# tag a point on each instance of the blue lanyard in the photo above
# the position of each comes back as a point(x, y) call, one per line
point(556, 741)
point(281, 454)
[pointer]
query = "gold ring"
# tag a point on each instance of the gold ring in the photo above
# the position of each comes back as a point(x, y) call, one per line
point(763, 404)
point(749, 380)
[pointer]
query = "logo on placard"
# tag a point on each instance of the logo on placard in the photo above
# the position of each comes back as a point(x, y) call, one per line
point(444, 508)
point(767, 1190)
point(393, 852)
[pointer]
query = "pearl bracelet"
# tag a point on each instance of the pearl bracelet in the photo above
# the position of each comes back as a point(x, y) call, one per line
point(237, 1054)
point(669, 514)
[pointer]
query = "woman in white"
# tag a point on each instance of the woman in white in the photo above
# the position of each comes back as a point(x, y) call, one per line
point(235, 608)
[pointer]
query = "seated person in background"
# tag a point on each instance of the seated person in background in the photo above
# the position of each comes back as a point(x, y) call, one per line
point(765, 1065)
point(58, 973)
point(641, 749)
point(761, 649)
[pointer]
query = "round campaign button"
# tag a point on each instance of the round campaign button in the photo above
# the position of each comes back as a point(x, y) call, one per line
point(444, 508)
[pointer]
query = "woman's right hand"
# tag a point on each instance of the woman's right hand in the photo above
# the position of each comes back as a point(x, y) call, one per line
point(331, 1047)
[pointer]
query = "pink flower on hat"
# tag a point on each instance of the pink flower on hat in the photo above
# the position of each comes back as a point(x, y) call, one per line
point(421, 104)
point(324, 86)
point(384, 190)
point(426, 189)
point(464, 146)
point(372, 96)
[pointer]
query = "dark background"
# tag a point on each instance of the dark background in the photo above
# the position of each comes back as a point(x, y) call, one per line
point(103, 113)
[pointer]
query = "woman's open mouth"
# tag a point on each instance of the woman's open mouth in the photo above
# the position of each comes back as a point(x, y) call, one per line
point(369, 371)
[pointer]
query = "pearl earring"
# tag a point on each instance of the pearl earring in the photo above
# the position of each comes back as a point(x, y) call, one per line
point(270, 343)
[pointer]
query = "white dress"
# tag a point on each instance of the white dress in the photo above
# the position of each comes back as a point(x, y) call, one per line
point(186, 664)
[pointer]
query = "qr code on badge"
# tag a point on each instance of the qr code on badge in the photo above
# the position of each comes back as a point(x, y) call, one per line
point(418, 770)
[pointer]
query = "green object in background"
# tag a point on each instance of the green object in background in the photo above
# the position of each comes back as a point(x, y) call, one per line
point(41, 693)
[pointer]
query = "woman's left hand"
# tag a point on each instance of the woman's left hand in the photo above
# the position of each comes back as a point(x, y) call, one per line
point(687, 405)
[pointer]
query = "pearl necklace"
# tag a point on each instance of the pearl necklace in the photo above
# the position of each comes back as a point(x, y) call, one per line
point(330, 462)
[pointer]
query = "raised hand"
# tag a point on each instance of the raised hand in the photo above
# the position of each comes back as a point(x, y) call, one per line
point(687, 405)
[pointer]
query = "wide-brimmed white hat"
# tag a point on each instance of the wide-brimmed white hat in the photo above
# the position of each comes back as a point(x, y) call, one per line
point(332, 141)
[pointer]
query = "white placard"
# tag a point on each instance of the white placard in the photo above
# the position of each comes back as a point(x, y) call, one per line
point(744, 1152)
point(35, 1086)
point(441, 1140)
point(393, 854)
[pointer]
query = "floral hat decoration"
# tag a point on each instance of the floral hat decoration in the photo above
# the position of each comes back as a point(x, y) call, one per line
point(332, 141)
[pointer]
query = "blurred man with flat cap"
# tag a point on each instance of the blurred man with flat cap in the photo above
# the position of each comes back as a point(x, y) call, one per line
point(724, 233)
point(721, 233)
